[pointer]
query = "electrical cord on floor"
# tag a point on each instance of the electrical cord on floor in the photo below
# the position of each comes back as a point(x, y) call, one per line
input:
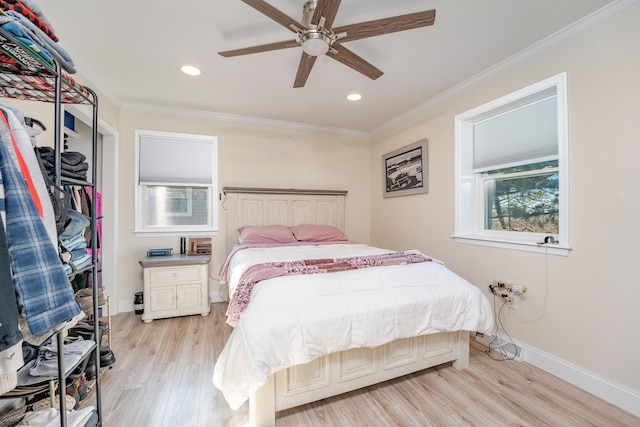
point(493, 347)
point(499, 350)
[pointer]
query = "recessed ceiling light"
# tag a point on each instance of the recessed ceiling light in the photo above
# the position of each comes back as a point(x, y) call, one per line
point(191, 70)
point(354, 97)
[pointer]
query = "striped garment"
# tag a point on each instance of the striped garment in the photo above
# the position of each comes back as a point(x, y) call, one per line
point(45, 296)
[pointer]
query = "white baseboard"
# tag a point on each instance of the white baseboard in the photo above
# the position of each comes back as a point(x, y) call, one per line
point(623, 397)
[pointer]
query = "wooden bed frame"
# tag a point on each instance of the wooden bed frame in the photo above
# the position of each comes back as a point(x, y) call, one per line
point(334, 373)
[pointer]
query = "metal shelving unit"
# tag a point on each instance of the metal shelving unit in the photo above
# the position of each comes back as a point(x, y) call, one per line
point(33, 78)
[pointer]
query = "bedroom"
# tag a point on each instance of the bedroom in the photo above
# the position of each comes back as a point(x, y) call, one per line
point(579, 321)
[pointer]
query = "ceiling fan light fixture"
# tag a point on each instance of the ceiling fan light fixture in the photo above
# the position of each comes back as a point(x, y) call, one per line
point(315, 43)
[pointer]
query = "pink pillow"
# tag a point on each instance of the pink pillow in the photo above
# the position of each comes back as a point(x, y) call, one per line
point(318, 233)
point(265, 234)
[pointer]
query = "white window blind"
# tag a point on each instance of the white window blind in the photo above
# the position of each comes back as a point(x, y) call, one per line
point(524, 135)
point(176, 183)
point(166, 160)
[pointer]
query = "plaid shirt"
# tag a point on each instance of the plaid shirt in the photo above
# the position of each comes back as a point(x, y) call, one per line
point(45, 296)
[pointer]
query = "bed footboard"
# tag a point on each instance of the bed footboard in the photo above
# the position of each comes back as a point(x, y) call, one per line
point(338, 373)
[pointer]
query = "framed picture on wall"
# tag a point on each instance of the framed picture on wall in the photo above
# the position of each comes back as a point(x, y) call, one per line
point(405, 170)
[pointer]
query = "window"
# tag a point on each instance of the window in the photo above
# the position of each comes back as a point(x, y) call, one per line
point(512, 170)
point(176, 183)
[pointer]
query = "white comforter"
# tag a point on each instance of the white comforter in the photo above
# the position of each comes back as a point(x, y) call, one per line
point(292, 320)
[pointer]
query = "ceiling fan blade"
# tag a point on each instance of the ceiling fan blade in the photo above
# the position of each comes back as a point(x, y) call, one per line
point(260, 48)
point(327, 9)
point(273, 13)
point(306, 63)
point(386, 25)
point(350, 59)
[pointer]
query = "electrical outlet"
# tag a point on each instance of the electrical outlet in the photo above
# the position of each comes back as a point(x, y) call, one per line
point(498, 284)
point(516, 289)
point(510, 293)
point(513, 288)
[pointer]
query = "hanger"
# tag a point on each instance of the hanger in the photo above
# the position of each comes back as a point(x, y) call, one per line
point(30, 121)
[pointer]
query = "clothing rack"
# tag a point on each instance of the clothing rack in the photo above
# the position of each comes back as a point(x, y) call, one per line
point(33, 78)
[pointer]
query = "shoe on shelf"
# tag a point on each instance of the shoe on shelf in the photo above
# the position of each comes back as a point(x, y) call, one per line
point(107, 358)
point(88, 324)
point(84, 297)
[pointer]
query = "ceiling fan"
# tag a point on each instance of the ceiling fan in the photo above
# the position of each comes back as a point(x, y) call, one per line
point(316, 35)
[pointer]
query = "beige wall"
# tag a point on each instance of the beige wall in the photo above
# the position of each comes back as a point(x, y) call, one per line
point(583, 308)
point(262, 154)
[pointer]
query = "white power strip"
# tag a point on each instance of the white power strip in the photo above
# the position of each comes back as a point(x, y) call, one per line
point(507, 348)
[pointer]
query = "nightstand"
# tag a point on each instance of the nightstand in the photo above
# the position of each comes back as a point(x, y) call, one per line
point(176, 285)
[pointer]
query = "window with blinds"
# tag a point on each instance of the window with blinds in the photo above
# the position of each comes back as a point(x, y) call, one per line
point(512, 168)
point(176, 183)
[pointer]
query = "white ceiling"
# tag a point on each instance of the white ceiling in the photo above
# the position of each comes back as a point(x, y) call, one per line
point(132, 51)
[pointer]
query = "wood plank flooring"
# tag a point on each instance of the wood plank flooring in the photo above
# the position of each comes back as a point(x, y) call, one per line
point(163, 373)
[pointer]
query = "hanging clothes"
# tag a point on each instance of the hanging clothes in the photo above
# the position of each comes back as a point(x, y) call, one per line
point(16, 157)
point(45, 296)
point(98, 209)
point(25, 146)
point(10, 336)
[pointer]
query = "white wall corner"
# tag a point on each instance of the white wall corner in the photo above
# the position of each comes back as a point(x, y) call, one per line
point(217, 291)
point(125, 306)
point(215, 297)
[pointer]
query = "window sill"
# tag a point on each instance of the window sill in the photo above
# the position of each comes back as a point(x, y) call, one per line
point(172, 233)
point(544, 248)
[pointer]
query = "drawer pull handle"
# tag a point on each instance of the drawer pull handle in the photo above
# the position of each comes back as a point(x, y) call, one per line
point(175, 274)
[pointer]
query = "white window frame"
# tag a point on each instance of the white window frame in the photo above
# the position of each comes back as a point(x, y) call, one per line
point(469, 194)
point(141, 227)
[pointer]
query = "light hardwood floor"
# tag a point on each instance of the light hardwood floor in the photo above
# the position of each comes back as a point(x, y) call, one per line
point(163, 373)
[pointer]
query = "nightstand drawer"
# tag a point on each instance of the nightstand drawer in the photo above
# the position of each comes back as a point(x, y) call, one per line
point(174, 275)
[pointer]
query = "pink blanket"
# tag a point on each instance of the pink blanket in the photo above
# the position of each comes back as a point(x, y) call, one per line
point(259, 272)
point(224, 270)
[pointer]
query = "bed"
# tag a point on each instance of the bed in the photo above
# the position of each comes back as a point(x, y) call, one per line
point(299, 338)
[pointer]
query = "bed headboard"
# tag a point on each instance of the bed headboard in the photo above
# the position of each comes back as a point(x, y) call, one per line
point(279, 206)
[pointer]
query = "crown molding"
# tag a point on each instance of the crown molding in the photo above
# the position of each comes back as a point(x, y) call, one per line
point(596, 18)
point(245, 120)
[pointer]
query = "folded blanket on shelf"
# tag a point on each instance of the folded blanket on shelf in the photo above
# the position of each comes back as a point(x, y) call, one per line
point(33, 6)
point(18, 32)
point(19, 7)
point(72, 164)
point(54, 48)
point(46, 364)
